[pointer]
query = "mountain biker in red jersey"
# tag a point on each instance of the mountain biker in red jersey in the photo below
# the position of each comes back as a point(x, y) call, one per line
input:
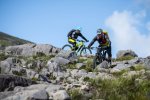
point(103, 40)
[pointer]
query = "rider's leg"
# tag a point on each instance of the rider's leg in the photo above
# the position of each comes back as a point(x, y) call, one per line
point(75, 46)
point(73, 42)
point(109, 53)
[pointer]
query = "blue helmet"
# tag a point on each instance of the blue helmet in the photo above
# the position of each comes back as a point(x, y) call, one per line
point(79, 28)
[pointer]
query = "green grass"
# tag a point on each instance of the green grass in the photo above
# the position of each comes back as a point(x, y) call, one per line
point(118, 74)
point(89, 65)
point(4, 43)
point(124, 58)
point(71, 66)
point(119, 89)
point(21, 73)
point(3, 56)
point(75, 94)
point(7, 40)
point(35, 79)
point(137, 67)
point(81, 60)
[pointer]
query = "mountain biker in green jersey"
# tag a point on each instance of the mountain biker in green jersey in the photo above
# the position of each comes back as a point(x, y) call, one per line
point(73, 35)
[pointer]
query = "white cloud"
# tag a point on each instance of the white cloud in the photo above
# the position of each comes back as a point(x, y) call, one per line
point(125, 34)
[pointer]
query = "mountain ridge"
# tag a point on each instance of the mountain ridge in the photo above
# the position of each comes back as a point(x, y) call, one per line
point(9, 40)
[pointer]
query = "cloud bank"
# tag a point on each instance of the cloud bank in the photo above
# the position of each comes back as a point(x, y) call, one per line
point(126, 34)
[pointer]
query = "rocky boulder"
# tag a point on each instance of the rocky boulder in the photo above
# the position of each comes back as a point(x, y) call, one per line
point(147, 62)
point(104, 64)
point(123, 53)
point(9, 82)
point(31, 49)
point(70, 55)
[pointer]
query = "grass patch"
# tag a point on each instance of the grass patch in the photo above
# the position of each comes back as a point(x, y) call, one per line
point(119, 89)
point(75, 94)
point(71, 66)
point(124, 58)
point(35, 79)
point(137, 67)
point(4, 43)
point(21, 73)
point(89, 65)
point(118, 74)
point(81, 60)
point(3, 56)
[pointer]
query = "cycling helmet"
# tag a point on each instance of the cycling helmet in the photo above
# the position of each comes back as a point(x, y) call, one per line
point(99, 31)
point(79, 28)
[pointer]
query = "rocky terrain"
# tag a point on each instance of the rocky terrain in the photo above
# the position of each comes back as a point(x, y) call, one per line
point(44, 72)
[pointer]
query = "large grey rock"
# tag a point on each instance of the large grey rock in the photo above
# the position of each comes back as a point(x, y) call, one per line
point(30, 73)
point(4, 95)
point(136, 60)
point(122, 66)
point(31, 49)
point(36, 86)
point(5, 67)
point(25, 49)
point(53, 67)
point(70, 55)
point(60, 60)
point(78, 73)
point(61, 95)
point(104, 64)
point(51, 89)
point(148, 57)
point(147, 63)
point(10, 64)
point(123, 53)
point(29, 95)
point(8, 82)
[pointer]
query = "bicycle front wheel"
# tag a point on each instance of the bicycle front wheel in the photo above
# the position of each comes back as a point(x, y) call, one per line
point(67, 47)
point(85, 52)
point(96, 61)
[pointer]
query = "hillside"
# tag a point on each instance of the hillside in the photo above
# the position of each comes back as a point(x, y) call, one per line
point(8, 40)
point(43, 72)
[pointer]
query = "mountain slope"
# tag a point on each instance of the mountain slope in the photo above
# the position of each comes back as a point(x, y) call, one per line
point(7, 40)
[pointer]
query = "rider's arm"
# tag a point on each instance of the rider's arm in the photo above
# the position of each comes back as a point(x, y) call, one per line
point(83, 37)
point(70, 33)
point(92, 42)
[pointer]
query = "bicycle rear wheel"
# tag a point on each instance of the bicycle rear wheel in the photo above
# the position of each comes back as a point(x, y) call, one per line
point(67, 47)
point(85, 52)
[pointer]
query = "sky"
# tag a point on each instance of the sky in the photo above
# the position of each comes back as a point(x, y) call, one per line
point(49, 21)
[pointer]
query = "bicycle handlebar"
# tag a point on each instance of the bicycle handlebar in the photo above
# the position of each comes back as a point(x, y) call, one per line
point(98, 47)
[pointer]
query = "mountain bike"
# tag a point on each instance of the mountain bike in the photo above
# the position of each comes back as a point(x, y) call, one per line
point(82, 49)
point(100, 56)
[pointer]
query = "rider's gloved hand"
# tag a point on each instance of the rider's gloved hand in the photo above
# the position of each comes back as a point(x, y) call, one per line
point(89, 47)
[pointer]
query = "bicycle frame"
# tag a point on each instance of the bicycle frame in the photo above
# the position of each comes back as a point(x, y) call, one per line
point(80, 45)
point(101, 53)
